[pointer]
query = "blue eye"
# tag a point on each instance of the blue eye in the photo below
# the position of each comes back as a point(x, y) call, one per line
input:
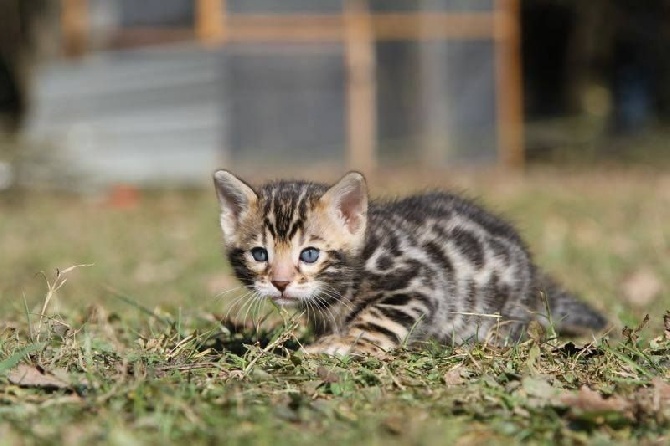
point(309, 255)
point(259, 254)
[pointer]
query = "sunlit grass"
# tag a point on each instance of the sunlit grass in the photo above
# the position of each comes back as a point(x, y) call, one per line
point(136, 340)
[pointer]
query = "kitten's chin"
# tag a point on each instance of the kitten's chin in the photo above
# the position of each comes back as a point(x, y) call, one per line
point(286, 301)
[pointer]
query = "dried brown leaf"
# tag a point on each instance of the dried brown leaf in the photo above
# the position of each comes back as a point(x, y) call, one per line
point(30, 376)
point(641, 288)
point(538, 387)
point(652, 399)
point(328, 376)
point(536, 332)
point(453, 377)
point(661, 389)
point(9, 435)
point(395, 424)
point(590, 401)
point(631, 334)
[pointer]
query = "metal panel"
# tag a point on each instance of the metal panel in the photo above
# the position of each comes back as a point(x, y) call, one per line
point(134, 116)
point(286, 103)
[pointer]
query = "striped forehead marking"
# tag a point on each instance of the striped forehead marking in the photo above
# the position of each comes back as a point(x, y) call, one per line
point(285, 210)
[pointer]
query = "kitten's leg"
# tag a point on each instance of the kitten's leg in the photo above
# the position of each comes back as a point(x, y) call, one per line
point(384, 324)
point(343, 345)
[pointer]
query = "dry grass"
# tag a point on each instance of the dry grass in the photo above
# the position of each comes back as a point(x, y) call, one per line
point(135, 343)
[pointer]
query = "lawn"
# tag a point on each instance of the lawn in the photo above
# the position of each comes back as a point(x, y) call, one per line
point(128, 347)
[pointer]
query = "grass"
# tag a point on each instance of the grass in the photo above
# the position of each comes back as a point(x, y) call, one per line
point(129, 350)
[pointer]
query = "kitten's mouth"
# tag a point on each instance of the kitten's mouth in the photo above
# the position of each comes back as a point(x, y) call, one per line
point(285, 300)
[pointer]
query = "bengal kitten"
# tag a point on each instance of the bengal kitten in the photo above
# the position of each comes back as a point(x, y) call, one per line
point(375, 275)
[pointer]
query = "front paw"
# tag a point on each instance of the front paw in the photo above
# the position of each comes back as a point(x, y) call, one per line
point(342, 346)
point(334, 349)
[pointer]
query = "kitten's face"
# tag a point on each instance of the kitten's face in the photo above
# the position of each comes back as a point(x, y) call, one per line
point(293, 242)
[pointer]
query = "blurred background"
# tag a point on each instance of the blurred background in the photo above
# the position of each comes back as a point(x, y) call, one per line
point(161, 91)
point(137, 102)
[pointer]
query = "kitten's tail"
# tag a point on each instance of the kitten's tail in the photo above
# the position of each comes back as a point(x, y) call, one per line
point(568, 314)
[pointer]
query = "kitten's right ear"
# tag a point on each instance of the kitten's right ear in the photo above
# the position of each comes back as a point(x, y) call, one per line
point(235, 199)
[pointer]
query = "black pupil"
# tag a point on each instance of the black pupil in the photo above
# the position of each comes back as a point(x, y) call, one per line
point(309, 255)
point(259, 254)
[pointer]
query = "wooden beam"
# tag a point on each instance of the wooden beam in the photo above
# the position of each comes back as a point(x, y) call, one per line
point(145, 36)
point(293, 28)
point(361, 89)
point(432, 26)
point(210, 21)
point(509, 91)
point(383, 27)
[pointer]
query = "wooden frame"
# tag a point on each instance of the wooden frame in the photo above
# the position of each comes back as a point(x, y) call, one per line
point(74, 26)
point(509, 84)
point(358, 29)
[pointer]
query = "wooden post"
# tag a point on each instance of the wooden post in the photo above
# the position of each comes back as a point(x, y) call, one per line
point(210, 21)
point(74, 26)
point(508, 83)
point(361, 89)
point(211, 25)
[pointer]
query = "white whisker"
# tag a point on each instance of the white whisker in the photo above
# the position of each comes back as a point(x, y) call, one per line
point(224, 292)
point(325, 310)
point(248, 303)
point(336, 296)
point(239, 300)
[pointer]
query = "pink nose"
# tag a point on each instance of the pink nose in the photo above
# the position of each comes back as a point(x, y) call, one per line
point(280, 284)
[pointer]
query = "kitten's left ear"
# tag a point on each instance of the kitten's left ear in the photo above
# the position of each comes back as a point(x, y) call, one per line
point(347, 202)
point(235, 198)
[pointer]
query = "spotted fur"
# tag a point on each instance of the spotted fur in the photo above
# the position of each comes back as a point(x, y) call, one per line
point(429, 266)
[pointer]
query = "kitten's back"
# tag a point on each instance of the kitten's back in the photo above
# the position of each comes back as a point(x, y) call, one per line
point(483, 254)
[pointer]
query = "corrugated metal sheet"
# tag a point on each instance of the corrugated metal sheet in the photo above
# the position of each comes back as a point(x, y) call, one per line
point(141, 116)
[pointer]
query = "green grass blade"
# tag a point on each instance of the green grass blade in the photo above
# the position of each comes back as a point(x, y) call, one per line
point(14, 359)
